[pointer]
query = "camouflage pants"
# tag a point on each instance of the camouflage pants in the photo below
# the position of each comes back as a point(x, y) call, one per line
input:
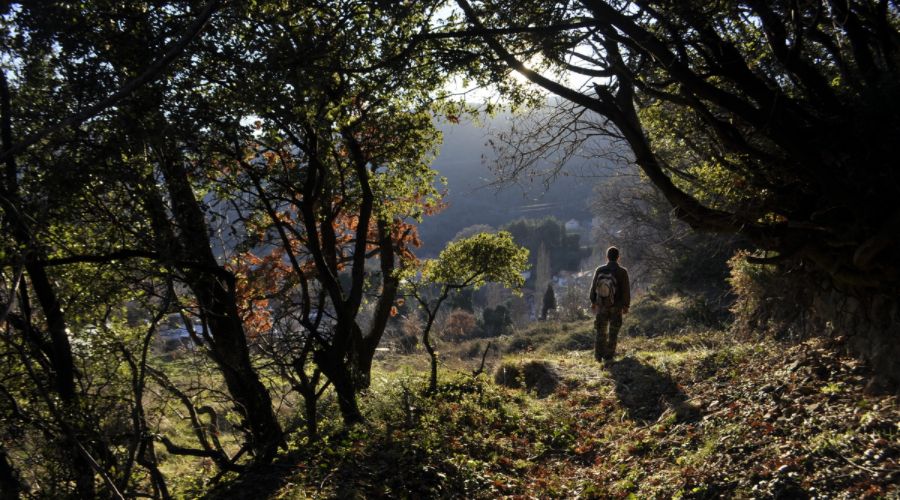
point(607, 325)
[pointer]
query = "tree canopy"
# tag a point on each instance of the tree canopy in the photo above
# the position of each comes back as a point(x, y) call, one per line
point(478, 259)
point(769, 119)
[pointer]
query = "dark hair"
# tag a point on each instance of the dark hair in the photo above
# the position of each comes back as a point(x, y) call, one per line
point(612, 253)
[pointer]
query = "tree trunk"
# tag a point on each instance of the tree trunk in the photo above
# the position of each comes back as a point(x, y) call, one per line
point(426, 340)
point(432, 379)
point(310, 403)
point(217, 300)
point(363, 355)
point(148, 459)
point(333, 366)
point(63, 365)
point(365, 346)
point(231, 353)
point(10, 486)
point(426, 334)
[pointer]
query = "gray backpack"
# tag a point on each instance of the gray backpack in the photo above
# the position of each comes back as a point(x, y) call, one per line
point(605, 288)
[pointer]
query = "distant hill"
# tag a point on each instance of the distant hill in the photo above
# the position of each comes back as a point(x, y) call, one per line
point(466, 159)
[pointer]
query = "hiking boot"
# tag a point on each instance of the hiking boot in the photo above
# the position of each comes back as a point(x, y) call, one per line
point(599, 352)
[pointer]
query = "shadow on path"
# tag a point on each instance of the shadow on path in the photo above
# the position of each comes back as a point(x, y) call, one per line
point(646, 392)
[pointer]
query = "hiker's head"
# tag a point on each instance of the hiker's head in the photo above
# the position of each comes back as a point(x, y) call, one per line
point(612, 253)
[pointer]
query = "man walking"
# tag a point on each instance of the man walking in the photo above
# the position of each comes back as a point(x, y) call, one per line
point(610, 299)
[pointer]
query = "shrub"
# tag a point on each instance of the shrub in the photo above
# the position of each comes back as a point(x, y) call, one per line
point(579, 340)
point(654, 315)
point(407, 344)
point(769, 299)
point(460, 325)
point(525, 343)
point(572, 305)
point(496, 321)
point(538, 376)
point(407, 338)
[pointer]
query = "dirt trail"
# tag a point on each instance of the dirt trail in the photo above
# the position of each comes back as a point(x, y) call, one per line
point(700, 419)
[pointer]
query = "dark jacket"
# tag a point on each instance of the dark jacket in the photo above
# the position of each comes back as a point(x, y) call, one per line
point(623, 286)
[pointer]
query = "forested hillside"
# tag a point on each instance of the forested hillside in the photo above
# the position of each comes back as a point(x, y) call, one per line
point(230, 266)
point(477, 196)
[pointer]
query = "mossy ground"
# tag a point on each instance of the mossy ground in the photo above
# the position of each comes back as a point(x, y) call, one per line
point(693, 415)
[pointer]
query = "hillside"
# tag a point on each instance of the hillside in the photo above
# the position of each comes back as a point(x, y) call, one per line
point(689, 415)
point(465, 160)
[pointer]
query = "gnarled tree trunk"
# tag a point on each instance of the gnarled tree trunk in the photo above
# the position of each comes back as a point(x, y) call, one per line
point(365, 346)
point(214, 289)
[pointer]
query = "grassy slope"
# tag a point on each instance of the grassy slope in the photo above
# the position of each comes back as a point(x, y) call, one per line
point(691, 415)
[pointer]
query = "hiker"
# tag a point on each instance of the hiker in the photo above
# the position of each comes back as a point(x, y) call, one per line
point(549, 302)
point(610, 299)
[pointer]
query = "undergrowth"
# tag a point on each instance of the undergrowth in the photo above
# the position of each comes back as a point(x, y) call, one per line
point(695, 415)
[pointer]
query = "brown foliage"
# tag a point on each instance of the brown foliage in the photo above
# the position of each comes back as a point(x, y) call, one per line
point(460, 325)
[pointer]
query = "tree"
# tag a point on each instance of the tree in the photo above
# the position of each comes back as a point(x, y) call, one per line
point(496, 321)
point(549, 302)
point(333, 174)
point(772, 120)
point(473, 230)
point(571, 304)
point(542, 272)
point(664, 254)
point(467, 263)
point(132, 179)
point(61, 94)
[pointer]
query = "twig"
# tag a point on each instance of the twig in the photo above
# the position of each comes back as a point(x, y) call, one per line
point(322, 484)
point(870, 471)
point(99, 470)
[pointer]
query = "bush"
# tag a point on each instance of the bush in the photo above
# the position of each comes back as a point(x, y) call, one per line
point(769, 299)
point(496, 321)
point(551, 337)
point(475, 350)
point(533, 337)
point(538, 376)
point(572, 305)
point(654, 315)
point(578, 340)
point(407, 344)
point(525, 343)
point(407, 336)
point(460, 325)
